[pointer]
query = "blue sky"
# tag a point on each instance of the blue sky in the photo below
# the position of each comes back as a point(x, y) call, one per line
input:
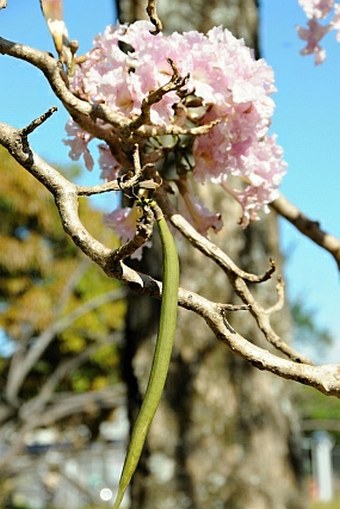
point(307, 120)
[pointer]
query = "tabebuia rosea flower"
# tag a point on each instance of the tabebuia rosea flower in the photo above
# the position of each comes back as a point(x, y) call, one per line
point(213, 129)
point(327, 11)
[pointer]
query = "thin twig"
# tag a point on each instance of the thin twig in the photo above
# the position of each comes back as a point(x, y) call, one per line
point(262, 317)
point(280, 285)
point(69, 286)
point(209, 249)
point(309, 227)
point(152, 13)
point(83, 112)
point(38, 121)
point(176, 82)
point(234, 307)
point(150, 131)
point(238, 279)
point(142, 236)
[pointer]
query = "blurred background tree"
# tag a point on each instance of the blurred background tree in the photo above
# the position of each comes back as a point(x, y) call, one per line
point(61, 319)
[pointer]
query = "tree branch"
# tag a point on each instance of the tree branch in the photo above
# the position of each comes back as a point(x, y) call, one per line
point(238, 279)
point(307, 227)
point(324, 378)
point(152, 13)
point(112, 125)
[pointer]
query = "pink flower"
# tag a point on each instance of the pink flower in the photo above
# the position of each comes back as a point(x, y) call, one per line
point(317, 8)
point(194, 211)
point(108, 164)
point(263, 169)
point(123, 221)
point(232, 89)
point(313, 34)
point(211, 154)
point(78, 144)
point(335, 23)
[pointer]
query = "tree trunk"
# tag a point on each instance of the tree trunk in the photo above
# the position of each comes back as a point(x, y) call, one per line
point(225, 435)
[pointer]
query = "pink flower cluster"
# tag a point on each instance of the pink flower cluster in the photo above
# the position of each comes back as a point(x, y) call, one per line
point(232, 88)
point(318, 10)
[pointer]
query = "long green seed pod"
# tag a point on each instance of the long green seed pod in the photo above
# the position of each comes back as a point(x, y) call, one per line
point(162, 355)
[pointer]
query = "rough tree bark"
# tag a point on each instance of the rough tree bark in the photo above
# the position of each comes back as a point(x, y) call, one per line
point(225, 434)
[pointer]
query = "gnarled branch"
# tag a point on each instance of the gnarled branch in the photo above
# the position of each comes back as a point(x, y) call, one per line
point(324, 378)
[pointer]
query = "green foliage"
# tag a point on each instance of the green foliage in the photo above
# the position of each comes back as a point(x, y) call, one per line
point(313, 405)
point(306, 330)
point(335, 504)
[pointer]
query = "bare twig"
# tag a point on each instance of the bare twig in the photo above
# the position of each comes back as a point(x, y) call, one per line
point(38, 121)
point(152, 13)
point(82, 111)
point(69, 404)
point(125, 183)
point(100, 120)
point(234, 307)
point(143, 235)
point(262, 317)
point(308, 227)
point(87, 492)
point(149, 131)
point(280, 298)
point(212, 251)
point(238, 279)
point(325, 378)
